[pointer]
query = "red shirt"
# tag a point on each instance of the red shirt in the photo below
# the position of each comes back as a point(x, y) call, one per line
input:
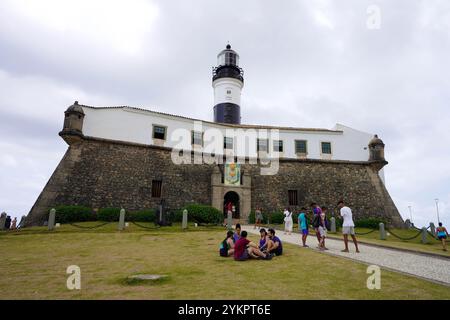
point(240, 246)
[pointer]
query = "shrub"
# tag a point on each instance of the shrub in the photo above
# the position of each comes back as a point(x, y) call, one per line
point(108, 214)
point(141, 216)
point(276, 218)
point(67, 214)
point(202, 213)
point(371, 223)
point(176, 215)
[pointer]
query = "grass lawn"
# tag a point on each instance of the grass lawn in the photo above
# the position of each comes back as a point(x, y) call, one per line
point(433, 245)
point(34, 261)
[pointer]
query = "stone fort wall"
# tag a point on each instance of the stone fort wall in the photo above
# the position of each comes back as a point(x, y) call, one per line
point(100, 174)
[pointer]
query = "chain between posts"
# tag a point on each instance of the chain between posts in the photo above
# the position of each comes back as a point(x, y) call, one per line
point(401, 238)
point(87, 227)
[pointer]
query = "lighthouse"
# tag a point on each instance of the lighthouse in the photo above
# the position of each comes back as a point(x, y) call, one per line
point(227, 81)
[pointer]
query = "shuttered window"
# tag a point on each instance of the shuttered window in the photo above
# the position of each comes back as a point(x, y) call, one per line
point(293, 197)
point(156, 188)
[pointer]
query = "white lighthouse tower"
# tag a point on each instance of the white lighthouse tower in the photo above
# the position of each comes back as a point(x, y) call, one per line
point(228, 82)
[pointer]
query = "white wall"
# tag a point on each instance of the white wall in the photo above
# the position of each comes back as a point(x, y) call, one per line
point(131, 125)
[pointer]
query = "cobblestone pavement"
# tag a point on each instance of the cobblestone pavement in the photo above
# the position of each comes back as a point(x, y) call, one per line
point(427, 267)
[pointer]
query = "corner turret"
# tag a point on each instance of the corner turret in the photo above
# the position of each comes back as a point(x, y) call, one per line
point(73, 124)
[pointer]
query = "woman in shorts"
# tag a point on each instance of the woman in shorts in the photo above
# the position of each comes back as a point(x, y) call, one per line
point(442, 235)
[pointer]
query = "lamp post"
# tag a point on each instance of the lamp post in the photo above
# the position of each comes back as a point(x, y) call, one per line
point(410, 213)
point(437, 209)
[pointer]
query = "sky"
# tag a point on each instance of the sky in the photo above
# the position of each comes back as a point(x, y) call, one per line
point(378, 66)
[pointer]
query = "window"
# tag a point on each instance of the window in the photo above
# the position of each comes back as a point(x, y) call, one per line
point(326, 147)
point(228, 143)
point(228, 91)
point(278, 145)
point(262, 145)
point(156, 188)
point(159, 132)
point(197, 138)
point(293, 197)
point(300, 146)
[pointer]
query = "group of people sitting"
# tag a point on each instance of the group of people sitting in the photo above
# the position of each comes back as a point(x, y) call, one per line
point(237, 245)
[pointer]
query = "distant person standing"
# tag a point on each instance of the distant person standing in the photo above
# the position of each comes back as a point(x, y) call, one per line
point(323, 229)
point(288, 223)
point(8, 222)
point(316, 215)
point(258, 218)
point(303, 225)
point(442, 235)
point(14, 224)
point(228, 210)
point(348, 227)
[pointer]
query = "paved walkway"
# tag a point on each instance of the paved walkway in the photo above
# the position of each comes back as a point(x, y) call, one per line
point(431, 268)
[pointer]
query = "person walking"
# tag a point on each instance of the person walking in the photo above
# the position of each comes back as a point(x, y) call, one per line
point(442, 235)
point(288, 223)
point(303, 225)
point(258, 218)
point(348, 227)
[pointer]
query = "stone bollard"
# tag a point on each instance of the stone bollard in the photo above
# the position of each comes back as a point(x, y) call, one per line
point(2, 220)
point(333, 225)
point(433, 229)
point(51, 219)
point(382, 231)
point(122, 220)
point(184, 223)
point(424, 235)
point(229, 221)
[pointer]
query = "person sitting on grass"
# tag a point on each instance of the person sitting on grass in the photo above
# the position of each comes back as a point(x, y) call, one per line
point(227, 245)
point(237, 233)
point(274, 245)
point(263, 239)
point(244, 249)
point(303, 225)
point(442, 235)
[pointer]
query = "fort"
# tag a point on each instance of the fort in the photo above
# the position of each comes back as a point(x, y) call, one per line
point(124, 157)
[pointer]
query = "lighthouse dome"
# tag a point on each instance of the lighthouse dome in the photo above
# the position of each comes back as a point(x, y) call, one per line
point(228, 57)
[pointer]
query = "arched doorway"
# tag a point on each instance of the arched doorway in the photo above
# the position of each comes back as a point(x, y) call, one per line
point(232, 197)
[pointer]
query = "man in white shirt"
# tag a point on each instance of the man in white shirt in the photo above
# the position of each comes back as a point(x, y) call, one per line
point(348, 227)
